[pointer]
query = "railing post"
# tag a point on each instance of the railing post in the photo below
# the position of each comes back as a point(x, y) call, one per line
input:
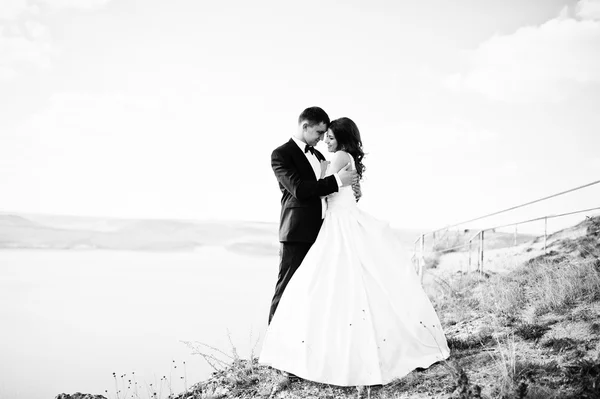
point(415, 252)
point(545, 232)
point(516, 235)
point(469, 270)
point(478, 249)
point(482, 244)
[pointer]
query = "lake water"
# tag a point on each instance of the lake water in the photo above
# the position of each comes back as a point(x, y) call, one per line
point(69, 319)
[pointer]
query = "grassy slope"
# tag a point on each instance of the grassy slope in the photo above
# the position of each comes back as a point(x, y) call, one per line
point(531, 332)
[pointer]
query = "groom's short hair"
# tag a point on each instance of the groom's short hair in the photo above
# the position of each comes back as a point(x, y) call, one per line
point(314, 116)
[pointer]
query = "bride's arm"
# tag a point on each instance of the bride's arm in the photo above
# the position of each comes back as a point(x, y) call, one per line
point(340, 159)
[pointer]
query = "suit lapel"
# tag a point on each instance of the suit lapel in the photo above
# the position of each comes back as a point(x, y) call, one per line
point(319, 156)
point(301, 159)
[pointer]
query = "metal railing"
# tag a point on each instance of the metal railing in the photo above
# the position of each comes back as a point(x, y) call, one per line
point(479, 238)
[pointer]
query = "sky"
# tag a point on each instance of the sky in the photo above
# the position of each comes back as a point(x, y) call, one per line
point(155, 109)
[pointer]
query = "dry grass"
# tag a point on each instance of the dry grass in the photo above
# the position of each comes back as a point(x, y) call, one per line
point(532, 333)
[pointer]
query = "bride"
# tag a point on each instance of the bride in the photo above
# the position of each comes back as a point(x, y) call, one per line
point(354, 312)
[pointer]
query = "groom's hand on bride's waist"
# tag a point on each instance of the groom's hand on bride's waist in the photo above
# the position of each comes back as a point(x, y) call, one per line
point(357, 190)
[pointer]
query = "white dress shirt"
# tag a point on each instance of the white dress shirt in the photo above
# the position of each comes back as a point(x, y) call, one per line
point(316, 165)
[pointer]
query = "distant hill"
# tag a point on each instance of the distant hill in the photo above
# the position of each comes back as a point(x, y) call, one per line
point(67, 232)
point(21, 231)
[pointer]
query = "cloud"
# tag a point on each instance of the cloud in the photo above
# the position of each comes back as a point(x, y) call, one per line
point(29, 49)
point(7, 73)
point(77, 4)
point(588, 9)
point(126, 153)
point(25, 43)
point(536, 63)
point(77, 113)
point(11, 9)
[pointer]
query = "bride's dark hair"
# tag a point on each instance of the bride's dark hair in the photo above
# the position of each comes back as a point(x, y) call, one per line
point(348, 137)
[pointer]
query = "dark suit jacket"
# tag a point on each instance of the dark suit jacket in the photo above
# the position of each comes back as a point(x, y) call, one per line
point(300, 219)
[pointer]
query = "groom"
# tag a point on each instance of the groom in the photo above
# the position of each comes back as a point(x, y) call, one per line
point(297, 167)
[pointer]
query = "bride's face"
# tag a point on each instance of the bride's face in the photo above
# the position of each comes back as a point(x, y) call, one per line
point(332, 144)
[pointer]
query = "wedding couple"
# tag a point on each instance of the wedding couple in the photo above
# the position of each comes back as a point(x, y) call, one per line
point(348, 309)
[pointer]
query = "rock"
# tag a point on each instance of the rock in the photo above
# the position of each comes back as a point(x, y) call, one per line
point(221, 392)
point(79, 395)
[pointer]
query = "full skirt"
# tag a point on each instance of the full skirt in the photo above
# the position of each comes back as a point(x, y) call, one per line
point(354, 313)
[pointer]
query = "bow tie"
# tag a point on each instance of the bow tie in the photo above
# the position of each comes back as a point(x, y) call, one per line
point(309, 148)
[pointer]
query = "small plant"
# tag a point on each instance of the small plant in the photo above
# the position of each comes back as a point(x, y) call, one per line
point(505, 363)
point(234, 373)
point(585, 374)
point(127, 386)
point(431, 261)
point(471, 342)
point(531, 332)
point(463, 388)
point(560, 344)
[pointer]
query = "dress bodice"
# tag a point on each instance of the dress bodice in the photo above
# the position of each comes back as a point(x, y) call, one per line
point(343, 199)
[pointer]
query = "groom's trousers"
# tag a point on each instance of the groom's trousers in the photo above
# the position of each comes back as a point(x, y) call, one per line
point(291, 256)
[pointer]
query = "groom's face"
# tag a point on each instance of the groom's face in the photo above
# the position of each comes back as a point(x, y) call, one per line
point(314, 134)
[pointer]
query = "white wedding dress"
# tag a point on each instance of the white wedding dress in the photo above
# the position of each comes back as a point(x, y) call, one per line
point(354, 313)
